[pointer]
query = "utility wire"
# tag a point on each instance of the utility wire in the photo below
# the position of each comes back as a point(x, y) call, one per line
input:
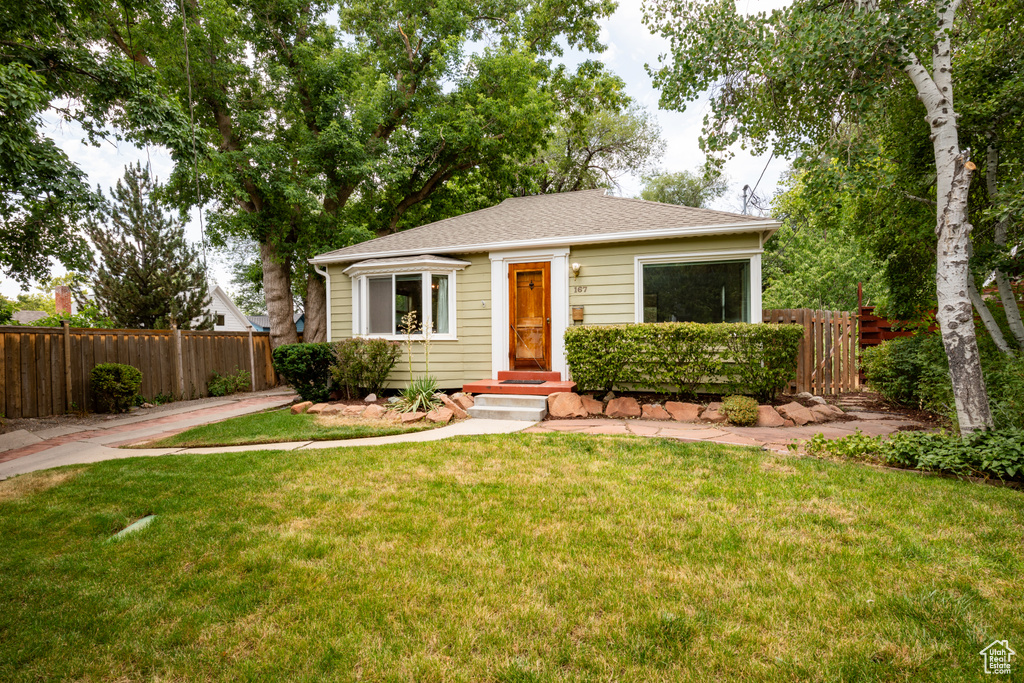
point(192, 123)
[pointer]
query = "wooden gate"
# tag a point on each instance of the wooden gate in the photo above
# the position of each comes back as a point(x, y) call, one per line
point(827, 359)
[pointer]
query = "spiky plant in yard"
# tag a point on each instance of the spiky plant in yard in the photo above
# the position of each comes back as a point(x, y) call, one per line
point(421, 394)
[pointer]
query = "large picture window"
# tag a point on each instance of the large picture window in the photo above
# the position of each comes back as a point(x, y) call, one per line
point(708, 292)
point(391, 298)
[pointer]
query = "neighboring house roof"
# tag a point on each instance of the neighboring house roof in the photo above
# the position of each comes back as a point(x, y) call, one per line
point(219, 295)
point(28, 317)
point(552, 219)
point(262, 322)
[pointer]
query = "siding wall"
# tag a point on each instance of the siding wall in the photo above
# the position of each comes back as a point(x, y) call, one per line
point(607, 271)
point(452, 362)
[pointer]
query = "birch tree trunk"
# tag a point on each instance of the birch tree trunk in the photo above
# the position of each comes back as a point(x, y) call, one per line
point(277, 287)
point(1006, 294)
point(953, 182)
point(316, 309)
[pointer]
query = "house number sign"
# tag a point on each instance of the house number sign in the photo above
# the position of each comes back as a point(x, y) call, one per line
point(579, 289)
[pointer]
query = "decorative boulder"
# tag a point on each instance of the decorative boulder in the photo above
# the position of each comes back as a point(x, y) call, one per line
point(392, 416)
point(465, 401)
point(817, 399)
point(623, 407)
point(683, 412)
point(353, 410)
point(566, 404)
point(300, 408)
point(797, 413)
point(653, 411)
point(592, 405)
point(374, 412)
point(456, 409)
point(713, 413)
point(825, 413)
point(372, 398)
point(316, 408)
point(769, 417)
point(332, 409)
point(440, 415)
point(408, 418)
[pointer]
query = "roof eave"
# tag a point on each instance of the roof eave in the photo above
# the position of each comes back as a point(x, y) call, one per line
point(766, 228)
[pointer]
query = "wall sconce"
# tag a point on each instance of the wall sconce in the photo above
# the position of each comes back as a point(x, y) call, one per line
point(575, 269)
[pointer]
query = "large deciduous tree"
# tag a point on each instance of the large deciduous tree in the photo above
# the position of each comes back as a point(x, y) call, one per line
point(685, 188)
point(148, 275)
point(319, 125)
point(802, 77)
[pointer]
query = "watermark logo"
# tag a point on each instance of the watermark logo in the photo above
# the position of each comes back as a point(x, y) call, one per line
point(997, 657)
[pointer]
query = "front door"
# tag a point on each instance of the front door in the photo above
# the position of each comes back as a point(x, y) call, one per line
point(529, 305)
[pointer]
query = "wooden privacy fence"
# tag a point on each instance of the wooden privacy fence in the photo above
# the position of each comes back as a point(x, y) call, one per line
point(827, 359)
point(45, 370)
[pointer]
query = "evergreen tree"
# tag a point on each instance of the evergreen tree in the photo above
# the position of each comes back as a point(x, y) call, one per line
point(148, 275)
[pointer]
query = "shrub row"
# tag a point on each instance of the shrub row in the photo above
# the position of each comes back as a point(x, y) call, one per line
point(752, 359)
point(914, 371)
point(998, 453)
point(356, 366)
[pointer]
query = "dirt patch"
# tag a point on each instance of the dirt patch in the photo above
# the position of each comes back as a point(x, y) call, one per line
point(35, 482)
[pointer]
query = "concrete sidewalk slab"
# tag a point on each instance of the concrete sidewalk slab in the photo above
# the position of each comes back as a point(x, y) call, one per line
point(17, 439)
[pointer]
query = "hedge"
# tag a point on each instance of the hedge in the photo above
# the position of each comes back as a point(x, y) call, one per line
point(114, 386)
point(307, 367)
point(752, 359)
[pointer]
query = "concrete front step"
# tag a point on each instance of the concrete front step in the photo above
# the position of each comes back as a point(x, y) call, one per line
point(510, 407)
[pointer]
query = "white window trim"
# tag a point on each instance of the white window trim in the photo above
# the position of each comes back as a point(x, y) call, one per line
point(753, 281)
point(360, 304)
point(500, 261)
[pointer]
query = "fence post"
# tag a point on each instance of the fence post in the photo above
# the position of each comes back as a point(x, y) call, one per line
point(179, 374)
point(67, 364)
point(252, 360)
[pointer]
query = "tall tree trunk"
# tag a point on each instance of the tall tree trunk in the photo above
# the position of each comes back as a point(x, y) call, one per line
point(955, 311)
point(986, 317)
point(277, 287)
point(1006, 294)
point(316, 309)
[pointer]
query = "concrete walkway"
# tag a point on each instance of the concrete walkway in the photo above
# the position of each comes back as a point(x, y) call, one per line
point(22, 451)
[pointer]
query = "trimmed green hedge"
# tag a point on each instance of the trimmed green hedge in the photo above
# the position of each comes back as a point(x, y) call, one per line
point(114, 386)
point(307, 367)
point(753, 359)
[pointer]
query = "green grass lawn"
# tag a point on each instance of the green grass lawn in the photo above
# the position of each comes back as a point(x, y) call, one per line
point(278, 426)
point(512, 558)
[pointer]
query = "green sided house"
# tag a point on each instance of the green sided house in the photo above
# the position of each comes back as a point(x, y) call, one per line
point(498, 287)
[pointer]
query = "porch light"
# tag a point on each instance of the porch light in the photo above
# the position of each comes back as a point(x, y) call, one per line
point(575, 269)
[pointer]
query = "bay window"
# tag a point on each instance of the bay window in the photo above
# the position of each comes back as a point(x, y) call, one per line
point(693, 291)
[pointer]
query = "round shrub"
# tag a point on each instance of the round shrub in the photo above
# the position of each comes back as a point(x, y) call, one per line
point(307, 367)
point(741, 410)
point(114, 386)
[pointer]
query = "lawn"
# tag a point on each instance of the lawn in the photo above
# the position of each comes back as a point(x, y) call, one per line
point(280, 425)
point(512, 558)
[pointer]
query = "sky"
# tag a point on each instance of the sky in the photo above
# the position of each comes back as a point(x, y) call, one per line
point(630, 47)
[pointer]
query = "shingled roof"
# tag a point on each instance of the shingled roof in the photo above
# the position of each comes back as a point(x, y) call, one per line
point(589, 216)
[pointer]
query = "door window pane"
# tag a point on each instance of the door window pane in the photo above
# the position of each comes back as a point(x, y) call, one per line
point(408, 299)
point(696, 292)
point(439, 303)
point(380, 298)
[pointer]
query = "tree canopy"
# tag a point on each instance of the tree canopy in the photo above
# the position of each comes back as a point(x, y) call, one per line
point(684, 188)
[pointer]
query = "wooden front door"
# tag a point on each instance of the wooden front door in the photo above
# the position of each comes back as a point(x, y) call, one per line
point(529, 305)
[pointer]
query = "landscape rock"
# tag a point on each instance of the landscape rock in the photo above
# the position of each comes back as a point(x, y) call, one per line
point(374, 412)
point(824, 413)
point(683, 412)
point(789, 423)
point(769, 417)
point(592, 405)
point(804, 395)
point(316, 408)
point(652, 411)
point(456, 409)
point(300, 408)
point(566, 404)
point(148, 405)
point(353, 410)
point(408, 418)
point(797, 413)
point(817, 399)
point(610, 396)
point(392, 416)
point(332, 409)
point(440, 415)
point(623, 407)
point(372, 398)
point(465, 401)
point(713, 413)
